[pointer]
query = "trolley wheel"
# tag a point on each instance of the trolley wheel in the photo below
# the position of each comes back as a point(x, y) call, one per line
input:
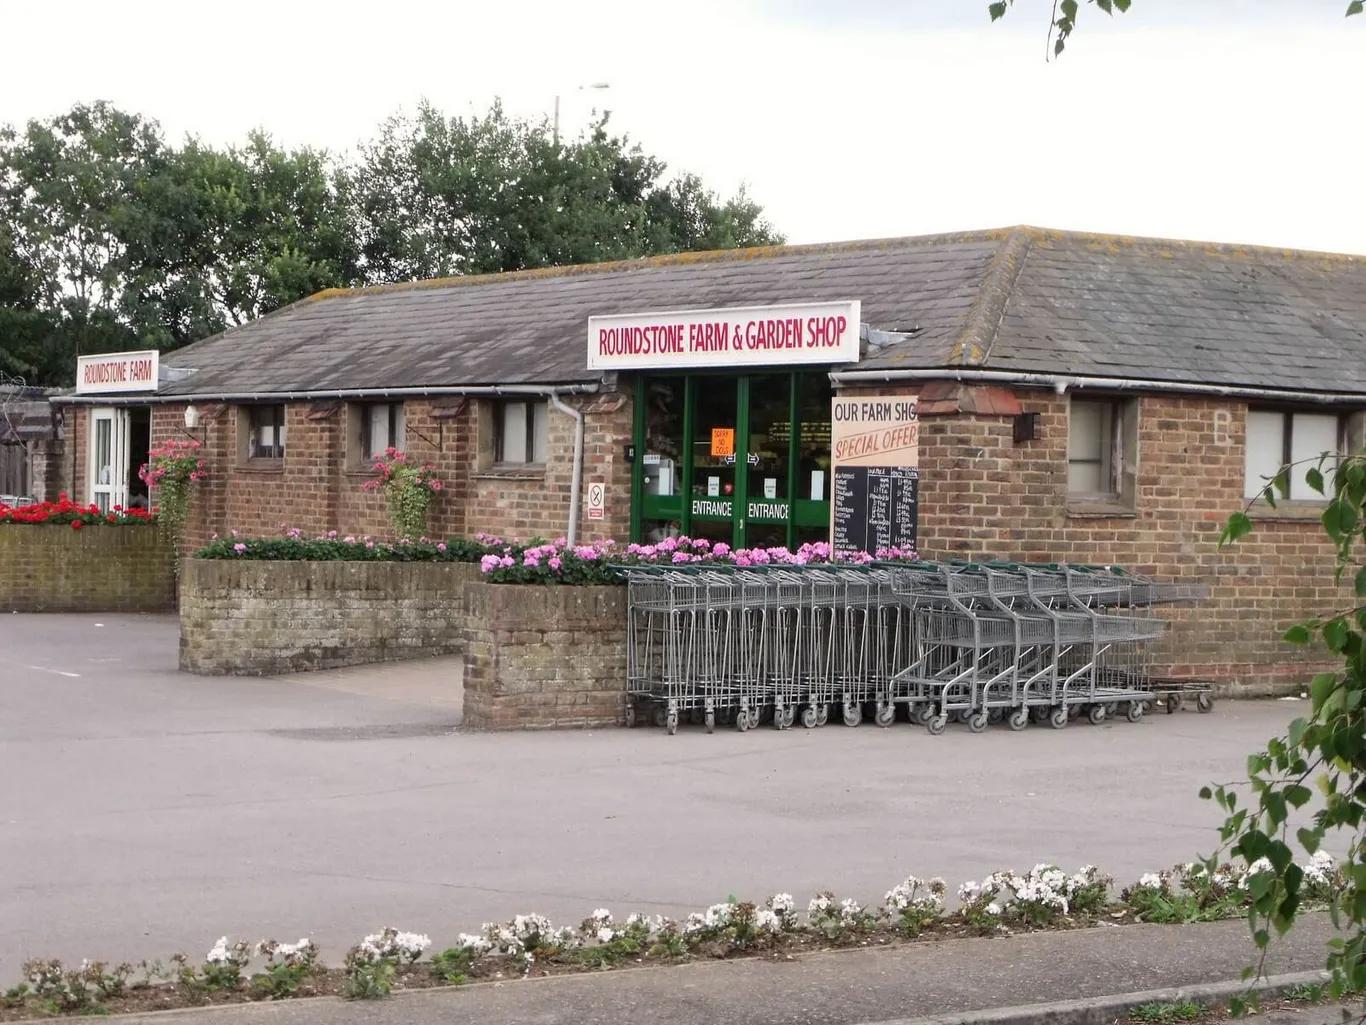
point(1095, 715)
point(756, 716)
point(962, 715)
point(742, 721)
point(809, 717)
point(1204, 702)
point(886, 715)
point(662, 715)
point(1039, 714)
point(922, 713)
point(853, 714)
point(709, 720)
point(1059, 717)
point(695, 716)
point(1134, 712)
point(822, 715)
point(1019, 719)
point(1112, 709)
point(671, 721)
point(936, 724)
point(1173, 703)
point(977, 723)
point(630, 714)
point(995, 714)
point(786, 719)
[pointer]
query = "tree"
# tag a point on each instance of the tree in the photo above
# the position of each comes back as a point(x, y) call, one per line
point(1064, 18)
point(1324, 751)
point(222, 237)
point(438, 196)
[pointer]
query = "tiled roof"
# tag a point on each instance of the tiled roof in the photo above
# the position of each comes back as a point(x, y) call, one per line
point(1014, 299)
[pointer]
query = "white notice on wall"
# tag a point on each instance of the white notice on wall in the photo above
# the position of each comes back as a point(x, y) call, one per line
point(770, 487)
point(597, 501)
point(818, 485)
point(713, 487)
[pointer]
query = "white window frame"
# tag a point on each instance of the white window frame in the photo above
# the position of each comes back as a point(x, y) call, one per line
point(530, 418)
point(1257, 469)
point(110, 489)
point(395, 429)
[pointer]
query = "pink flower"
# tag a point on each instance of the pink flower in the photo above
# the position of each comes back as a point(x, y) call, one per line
point(489, 563)
point(369, 544)
point(555, 563)
point(720, 549)
point(682, 557)
point(436, 485)
point(506, 560)
point(441, 547)
point(239, 548)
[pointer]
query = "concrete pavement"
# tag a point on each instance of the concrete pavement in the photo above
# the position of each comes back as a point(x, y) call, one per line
point(1024, 976)
point(144, 811)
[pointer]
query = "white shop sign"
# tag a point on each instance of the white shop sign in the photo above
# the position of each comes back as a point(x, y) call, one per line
point(111, 372)
point(796, 333)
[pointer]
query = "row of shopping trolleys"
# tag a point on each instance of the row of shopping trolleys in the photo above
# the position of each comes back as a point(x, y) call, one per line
point(973, 642)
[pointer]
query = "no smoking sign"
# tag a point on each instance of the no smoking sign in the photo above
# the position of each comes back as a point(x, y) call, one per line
point(597, 501)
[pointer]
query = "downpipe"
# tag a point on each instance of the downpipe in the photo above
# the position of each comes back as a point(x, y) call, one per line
point(576, 476)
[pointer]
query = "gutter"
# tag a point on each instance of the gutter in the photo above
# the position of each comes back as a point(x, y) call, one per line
point(342, 393)
point(1060, 383)
point(576, 478)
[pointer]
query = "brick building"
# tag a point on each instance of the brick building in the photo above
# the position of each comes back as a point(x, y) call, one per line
point(1081, 398)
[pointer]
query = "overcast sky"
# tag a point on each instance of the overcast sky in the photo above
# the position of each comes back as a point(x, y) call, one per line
point(1232, 120)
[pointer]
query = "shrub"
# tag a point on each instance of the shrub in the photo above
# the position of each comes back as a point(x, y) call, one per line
point(65, 512)
point(173, 468)
point(287, 966)
point(914, 905)
point(839, 920)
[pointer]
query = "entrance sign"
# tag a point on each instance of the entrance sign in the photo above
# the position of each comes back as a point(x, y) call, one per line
point(875, 454)
point(739, 336)
point(117, 372)
point(597, 501)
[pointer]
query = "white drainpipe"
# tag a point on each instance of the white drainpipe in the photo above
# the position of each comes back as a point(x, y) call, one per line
point(576, 478)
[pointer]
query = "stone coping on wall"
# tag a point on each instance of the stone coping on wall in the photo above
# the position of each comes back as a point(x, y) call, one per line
point(99, 568)
point(263, 617)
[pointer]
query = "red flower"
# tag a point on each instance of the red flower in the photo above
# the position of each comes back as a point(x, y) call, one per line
point(76, 524)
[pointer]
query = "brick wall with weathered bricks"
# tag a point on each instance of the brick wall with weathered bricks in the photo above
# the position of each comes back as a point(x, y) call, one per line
point(52, 568)
point(261, 618)
point(544, 656)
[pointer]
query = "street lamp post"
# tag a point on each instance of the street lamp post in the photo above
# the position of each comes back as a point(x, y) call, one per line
point(590, 85)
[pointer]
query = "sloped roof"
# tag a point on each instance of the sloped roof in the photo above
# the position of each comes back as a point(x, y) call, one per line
point(1012, 299)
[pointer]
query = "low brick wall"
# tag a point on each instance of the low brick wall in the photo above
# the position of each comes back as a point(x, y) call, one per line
point(52, 568)
point(259, 618)
point(538, 657)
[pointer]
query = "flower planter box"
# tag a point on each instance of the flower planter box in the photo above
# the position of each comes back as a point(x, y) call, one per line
point(261, 617)
point(53, 568)
point(541, 657)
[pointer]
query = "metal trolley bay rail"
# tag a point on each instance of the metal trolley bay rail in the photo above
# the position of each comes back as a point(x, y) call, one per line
point(973, 642)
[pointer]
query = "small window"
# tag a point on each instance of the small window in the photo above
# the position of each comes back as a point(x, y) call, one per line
point(381, 427)
point(1102, 451)
point(265, 437)
point(1277, 438)
point(521, 432)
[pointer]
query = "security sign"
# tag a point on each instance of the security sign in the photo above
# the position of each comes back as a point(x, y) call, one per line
point(597, 501)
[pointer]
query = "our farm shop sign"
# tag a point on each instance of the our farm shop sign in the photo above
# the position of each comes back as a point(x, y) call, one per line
point(117, 372)
point(875, 454)
point(738, 336)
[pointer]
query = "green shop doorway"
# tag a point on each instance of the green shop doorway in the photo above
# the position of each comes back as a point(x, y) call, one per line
point(743, 459)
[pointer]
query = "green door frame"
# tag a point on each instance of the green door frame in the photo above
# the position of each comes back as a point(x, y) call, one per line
point(801, 512)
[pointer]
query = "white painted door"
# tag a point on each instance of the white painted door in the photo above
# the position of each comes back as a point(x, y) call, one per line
point(107, 469)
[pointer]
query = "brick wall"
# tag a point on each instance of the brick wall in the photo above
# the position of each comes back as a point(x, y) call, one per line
point(97, 569)
point(318, 486)
point(544, 656)
point(983, 495)
point(261, 618)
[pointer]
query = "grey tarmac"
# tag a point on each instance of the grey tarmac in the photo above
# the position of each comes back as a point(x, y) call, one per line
point(146, 811)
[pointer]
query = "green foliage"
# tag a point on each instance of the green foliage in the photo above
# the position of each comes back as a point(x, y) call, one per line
point(348, 549)
point(1163, 1013)
point(1322, 754)
point(452, 965)
point(287, 968)
point(112, 238)
point(368, 977)
point(1065, 16)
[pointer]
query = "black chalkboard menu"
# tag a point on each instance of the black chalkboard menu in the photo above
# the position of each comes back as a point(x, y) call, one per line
point(874, 507)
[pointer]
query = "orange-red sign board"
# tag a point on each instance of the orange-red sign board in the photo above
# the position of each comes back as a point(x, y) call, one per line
point(723, 441)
